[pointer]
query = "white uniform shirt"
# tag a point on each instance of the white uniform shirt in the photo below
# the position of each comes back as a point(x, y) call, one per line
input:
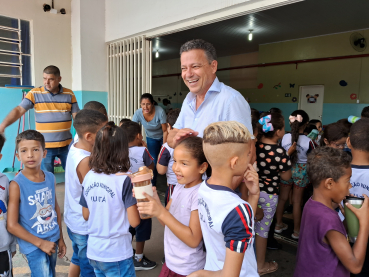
point(226, 221)
point(166, 159)
point(139, 156)
point(73, 189)
point(108, 197)
point(304, 146)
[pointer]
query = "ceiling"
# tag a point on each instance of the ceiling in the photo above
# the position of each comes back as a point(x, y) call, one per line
point(300, 20)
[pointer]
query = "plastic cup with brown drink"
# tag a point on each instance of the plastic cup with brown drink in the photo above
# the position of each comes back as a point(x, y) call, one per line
point(351, 219)
point(141, 181)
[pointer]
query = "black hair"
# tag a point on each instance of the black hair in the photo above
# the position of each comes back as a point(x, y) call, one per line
point(333, 132)
point(88, 121)
point(315, 121)
point(255, 115)
point(52, 69)
point(277, 120)
point(172, 116)
point(123, 121)
point(275, 110)
point(295, 126)
point(326, 162)
point(2, 141)
point(132, 129)
point(346, 124)
point(365, 112)
point(97, 106)
point(359, 135)
point(110, 153)
point(30, 135)
point(147, 96)
point(309, 128)
point(201, 44)
point(166, 101)
point(194, 147)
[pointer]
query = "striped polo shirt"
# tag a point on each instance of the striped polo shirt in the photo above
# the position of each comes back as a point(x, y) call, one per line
point(53, 114)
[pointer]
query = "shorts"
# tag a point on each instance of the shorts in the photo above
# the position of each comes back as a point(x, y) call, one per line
point(267, 202)
point(166, 272)
point(299, 176)
point(168, 193)
point(6, 263)
point(142, 231)
point(79, 245)
point(41, 264)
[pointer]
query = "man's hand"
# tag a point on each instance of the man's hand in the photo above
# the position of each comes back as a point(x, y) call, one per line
point(182, 134)
point(48, 247)
point(251, 178)
point(62, 248)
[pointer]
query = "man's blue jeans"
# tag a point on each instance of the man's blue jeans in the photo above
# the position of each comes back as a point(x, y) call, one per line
point(52, 153)
point(154, 146)
point(123, 268)
point(41, 264)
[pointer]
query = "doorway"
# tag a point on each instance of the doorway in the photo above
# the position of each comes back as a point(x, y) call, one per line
point(311, 101)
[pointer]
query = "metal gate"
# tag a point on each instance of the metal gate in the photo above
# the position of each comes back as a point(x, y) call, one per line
point(129, 71)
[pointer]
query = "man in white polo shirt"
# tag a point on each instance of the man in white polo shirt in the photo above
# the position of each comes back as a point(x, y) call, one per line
point(208, 100)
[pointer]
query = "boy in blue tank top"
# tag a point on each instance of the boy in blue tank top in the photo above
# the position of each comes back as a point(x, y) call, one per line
point(33, 211)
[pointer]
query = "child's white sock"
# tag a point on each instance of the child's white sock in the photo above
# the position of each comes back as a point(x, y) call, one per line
point(138, 257)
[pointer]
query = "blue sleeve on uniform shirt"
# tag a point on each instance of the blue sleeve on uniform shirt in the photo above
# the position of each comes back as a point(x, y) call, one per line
point(311, 146)
point(147, 159)
point(164, 156)
point(127, 195)
point(237, 228)
point(82, 200)
point(75, 108)
point(26, 104)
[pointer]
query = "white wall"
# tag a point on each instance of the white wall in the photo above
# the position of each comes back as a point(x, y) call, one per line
point(149, 17)
point(88, 45)
point(51, 35)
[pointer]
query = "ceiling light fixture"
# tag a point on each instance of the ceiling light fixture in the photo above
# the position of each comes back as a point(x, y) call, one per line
point(157, 54)
point(250, 34)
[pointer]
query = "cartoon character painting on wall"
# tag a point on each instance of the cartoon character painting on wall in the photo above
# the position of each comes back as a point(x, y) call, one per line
point(312, 98)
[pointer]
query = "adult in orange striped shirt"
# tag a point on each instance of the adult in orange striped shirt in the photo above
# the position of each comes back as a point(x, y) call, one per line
point(55, 106)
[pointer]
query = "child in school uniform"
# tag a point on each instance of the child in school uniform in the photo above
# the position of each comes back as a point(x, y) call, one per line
point(165, 159)
point(139, 156)
point(87, 123)
point(298, 146)
point(33, 211)
point(358, 142)
point(227, 221)
point(7, 240)
point(108, 204)
point(183, 245)
point(323, 249)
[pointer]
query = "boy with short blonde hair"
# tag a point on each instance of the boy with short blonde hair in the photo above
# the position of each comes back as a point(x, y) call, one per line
point(227, 221)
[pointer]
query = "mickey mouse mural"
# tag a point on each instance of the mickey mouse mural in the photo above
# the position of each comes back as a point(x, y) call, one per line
point(312, 98)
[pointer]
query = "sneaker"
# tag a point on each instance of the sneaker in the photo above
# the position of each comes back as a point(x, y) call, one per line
point(274, 245)
point(144, 264)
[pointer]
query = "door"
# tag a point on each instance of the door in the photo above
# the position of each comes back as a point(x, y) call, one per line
point(311, 101)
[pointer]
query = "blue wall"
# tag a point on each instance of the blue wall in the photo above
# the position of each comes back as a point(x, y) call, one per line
point(10, 99)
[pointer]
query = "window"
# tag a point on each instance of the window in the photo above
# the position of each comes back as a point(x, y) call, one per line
point(15, 52)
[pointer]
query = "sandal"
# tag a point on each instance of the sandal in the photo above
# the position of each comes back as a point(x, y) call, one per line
point(272, 267)
point(281, 228)
point(293, 235)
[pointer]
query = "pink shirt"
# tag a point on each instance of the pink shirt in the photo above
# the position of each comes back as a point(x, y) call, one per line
point(179, 257)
